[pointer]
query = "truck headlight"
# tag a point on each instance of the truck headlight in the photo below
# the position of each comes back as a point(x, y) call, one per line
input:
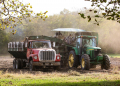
point(35, 57)
point(58, 57)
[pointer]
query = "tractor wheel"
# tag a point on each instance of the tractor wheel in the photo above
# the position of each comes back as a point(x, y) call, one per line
point(106, 62)
point(14, 64)
point(18, 64)
point(72, 60)
point(85, 62)
point(31, 66)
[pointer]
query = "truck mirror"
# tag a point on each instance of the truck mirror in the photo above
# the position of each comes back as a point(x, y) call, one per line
point(53, 44)
point(25, 44)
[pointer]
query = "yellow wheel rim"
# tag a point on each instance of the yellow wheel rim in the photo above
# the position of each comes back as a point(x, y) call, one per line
point(83, 63)
point(71, 60)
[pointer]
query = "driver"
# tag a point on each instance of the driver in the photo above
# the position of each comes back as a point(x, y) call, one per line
point(45, 45)
point(85, 42)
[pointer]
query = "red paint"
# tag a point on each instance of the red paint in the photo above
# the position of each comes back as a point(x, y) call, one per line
point(32, 52)
point(57, 60)
point(35, 60)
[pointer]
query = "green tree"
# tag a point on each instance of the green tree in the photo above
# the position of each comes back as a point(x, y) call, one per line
point(108, 30)
point(109, 9)
point(13, 12)
point(3, 42)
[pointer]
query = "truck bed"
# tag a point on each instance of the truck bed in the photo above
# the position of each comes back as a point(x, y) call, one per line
point(18, 54)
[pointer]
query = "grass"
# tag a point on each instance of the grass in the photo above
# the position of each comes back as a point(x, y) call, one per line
point(114, 55)
point(70, 78)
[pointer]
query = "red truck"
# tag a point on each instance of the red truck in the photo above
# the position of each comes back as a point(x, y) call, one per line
point(34, 52)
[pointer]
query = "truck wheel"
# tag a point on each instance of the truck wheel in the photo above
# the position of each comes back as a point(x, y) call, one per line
point(106, 62)
point(31, 67)
point(14, 64)
point(21, 66)
point(85, 62)
point(72, 60)
point(24, 64)
point(18, 64)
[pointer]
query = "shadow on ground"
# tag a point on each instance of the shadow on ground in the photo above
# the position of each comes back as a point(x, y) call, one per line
point(62, 70)
point(101, 83)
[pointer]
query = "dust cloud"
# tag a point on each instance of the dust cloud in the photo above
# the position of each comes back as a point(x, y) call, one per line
point(109, 37)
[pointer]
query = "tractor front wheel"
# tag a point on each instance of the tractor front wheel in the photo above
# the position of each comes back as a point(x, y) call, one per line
point(85, 62)
point(106, 62)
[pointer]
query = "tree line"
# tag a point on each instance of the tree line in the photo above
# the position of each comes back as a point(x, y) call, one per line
point(108, 30)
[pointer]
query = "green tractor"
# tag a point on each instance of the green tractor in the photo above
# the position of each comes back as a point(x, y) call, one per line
point(82, 50)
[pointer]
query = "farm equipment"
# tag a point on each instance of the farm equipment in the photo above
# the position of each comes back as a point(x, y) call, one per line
point(72, 51)
point(81, 49)
point(33, 52)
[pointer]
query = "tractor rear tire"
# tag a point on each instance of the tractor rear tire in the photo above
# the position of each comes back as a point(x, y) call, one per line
point(14, 64)
point(18, 64)
point(106, 62)
point(85, 62)
point(73, 60)
point(31, 66)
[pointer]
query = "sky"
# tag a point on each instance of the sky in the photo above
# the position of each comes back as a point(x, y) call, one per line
point(55, 6)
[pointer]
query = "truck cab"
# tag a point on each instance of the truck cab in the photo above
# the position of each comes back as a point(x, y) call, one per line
point(40, 53)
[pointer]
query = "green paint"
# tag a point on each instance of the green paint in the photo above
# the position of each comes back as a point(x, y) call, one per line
point(76, 50)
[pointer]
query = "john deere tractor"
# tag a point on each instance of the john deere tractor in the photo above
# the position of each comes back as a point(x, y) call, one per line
point(82, 50)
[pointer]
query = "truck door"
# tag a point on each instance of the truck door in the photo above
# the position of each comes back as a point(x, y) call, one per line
point(29, 49)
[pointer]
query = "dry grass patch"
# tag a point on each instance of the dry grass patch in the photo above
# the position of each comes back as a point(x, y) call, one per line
point(115, 69)
point(73, 73)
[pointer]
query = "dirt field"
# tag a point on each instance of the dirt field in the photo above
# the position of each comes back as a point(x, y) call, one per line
point(6, 65)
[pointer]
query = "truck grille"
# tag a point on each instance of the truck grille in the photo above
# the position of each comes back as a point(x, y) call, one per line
point(47, 55)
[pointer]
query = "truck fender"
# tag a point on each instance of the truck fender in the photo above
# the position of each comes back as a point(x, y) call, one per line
point(31, 56)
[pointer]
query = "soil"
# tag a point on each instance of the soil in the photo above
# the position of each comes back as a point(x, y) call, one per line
point(6, 64)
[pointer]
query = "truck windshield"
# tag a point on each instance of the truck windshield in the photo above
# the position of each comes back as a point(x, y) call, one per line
point(89, 41)
point(41, 44)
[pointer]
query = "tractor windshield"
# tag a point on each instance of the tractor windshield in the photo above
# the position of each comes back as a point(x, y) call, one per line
point(41, 44)
point(89, 41)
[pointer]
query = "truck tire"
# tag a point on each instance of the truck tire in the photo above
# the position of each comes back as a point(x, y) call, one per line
point(106, 62)
point(21, 66)
point(31, 66)
point(73, 60)
point(24, 64)
point(18, 64)
point(14, 64)
point(85, 62)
